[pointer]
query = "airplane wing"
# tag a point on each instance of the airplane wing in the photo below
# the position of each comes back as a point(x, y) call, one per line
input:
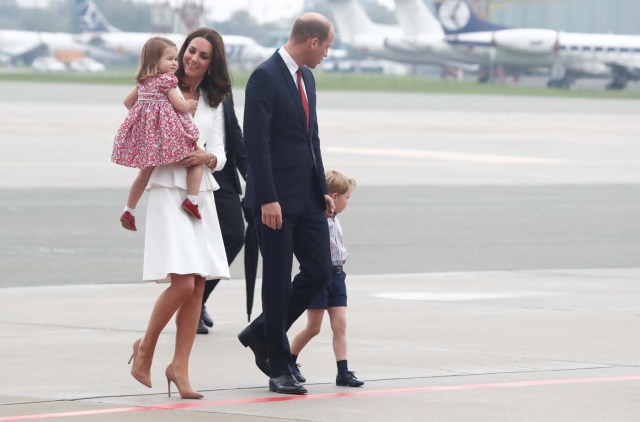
point(18, 43)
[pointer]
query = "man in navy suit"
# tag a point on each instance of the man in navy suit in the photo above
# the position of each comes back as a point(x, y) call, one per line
point(287, 191)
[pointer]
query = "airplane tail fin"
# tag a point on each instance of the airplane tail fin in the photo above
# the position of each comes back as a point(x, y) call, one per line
point(351, 20)
point(457, 17)
point(416, 19)
point(91, 19)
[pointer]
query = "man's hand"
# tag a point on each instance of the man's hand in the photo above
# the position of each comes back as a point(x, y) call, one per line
point(272, 215)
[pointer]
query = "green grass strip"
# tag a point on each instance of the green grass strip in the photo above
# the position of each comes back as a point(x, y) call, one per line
point(342, 82)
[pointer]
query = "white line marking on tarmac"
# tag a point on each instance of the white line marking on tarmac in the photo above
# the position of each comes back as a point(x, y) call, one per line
point(454, 297)
point(452, 156)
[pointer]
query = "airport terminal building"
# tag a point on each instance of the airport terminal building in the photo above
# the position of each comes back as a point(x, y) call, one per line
point(611, 16)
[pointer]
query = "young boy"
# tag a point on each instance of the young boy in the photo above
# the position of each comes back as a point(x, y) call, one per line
point(333, 298)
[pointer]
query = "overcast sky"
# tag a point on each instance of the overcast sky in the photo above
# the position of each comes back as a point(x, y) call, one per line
point(263, 10)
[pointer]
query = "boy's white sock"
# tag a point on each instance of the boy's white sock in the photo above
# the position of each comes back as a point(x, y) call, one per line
point(132, 211)
point(193, 199)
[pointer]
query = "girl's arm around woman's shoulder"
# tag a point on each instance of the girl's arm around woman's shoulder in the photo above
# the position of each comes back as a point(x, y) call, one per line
point(179, 103)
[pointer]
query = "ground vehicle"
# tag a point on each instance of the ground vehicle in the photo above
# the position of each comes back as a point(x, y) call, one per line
point(86, 65)
point(48, 64)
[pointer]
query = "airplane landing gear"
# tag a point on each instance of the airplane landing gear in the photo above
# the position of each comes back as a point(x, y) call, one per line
point(483, 77)
point(559, 77)
point(562, 83)
point(618, 82)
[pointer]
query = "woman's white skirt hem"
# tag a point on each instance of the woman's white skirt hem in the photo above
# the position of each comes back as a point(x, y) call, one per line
point(177, 243)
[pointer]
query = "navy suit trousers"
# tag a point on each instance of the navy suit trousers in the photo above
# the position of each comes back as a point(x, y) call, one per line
point(307, 236)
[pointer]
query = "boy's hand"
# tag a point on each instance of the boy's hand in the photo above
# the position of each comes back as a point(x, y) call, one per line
point(330, 206)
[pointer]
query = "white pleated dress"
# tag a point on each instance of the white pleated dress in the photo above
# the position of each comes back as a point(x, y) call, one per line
point(175, 242)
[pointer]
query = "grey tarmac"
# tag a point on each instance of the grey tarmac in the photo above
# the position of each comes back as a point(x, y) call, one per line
point(494, 247)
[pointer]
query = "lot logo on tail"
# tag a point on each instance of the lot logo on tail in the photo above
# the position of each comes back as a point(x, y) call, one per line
point(457, 17)
point(90, 19)
point(454, 14)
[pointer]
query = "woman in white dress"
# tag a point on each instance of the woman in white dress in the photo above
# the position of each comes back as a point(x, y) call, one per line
point(179, 249)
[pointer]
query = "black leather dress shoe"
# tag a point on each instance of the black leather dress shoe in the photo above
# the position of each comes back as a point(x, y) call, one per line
point(348, 379)
point(205, 317)
point(248, 339)
point(286, 384)
point(295, 371)
point(202, 329)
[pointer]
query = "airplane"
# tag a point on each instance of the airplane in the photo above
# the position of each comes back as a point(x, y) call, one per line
point(388, 42)
point(428, 33)
point(24, 46)
point(96, 30)
point(568, 55)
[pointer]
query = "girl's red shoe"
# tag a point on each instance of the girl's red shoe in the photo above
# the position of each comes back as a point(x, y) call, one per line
point(191, 209)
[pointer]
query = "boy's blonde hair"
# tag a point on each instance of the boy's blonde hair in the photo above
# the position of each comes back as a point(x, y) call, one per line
point(338, 182)
point(150, 57)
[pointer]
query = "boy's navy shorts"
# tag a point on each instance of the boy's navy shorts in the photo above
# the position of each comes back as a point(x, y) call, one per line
point(335, 294)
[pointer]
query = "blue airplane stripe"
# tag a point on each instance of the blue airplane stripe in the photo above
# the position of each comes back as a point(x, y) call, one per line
point(561, 47)
point(471, 43)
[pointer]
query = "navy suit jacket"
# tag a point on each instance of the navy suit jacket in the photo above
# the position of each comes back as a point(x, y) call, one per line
point(234, 150)
point(284, 157)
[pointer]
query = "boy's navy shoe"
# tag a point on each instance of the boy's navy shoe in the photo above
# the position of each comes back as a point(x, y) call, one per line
point(202, 329)
point(348, 379)
point(297, 374)
point(205, 317)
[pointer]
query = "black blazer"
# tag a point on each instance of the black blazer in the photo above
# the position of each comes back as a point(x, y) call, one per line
point(284, 157)
point(234, 148)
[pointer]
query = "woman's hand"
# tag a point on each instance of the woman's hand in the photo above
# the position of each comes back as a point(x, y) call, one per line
point(197, 157)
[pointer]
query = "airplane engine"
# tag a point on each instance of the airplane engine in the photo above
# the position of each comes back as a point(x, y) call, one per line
point(529, 41)
point(591, 68)
point(428, 41)
point(403, 45)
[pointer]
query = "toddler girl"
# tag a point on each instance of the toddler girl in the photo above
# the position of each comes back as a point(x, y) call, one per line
point(158, 129)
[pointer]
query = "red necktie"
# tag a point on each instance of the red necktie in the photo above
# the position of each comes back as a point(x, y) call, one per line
point(303, 96)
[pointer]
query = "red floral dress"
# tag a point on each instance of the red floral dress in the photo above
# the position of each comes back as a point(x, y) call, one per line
point(154, 133)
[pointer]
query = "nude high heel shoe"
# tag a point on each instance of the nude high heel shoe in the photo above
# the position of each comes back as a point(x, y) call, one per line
point(171, 378)
point(141, 378)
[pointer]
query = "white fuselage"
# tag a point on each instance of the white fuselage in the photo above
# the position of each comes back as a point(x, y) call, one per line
point(591, 54)
point(239, 49)
point(14, 43)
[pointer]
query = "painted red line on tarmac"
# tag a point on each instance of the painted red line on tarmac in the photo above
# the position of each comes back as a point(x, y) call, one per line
point(358, 393)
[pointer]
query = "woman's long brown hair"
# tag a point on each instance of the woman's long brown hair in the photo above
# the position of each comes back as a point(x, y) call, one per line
point(216, 84)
